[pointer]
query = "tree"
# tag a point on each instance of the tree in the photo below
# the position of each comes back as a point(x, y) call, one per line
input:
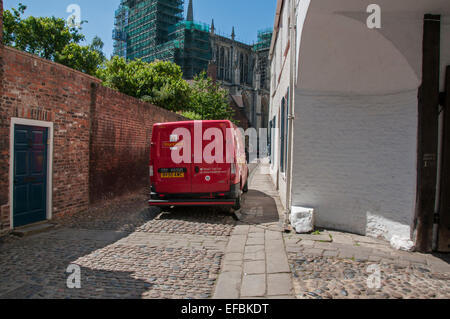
point(160, 83)
point(209, 100)
point(81, 58)
point(11, 21)
point(97, 45)
point(42, 36)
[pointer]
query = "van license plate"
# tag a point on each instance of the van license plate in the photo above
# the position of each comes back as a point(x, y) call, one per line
point(172, 175)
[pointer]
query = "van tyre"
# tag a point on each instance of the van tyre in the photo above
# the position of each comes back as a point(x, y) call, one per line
point(245, 189)
point(237, 205)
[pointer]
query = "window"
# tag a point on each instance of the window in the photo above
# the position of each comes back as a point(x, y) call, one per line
point(284, 111)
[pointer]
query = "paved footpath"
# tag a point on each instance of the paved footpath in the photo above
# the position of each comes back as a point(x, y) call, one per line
point(255, 264)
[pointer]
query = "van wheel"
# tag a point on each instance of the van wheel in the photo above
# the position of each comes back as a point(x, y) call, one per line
point(245, 189)
point(237, 205)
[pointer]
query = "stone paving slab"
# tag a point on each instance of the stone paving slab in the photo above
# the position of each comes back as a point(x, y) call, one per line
point(279, 284)
point(228, 285)
point(253, 286)
point(254, 267)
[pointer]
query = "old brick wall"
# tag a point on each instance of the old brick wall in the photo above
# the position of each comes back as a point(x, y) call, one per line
point(107, 160)
point(36, 89)
point(120, 143)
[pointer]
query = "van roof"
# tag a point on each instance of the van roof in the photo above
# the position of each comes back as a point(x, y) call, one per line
point(229, 123)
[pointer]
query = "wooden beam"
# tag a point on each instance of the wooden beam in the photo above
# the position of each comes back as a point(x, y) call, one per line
point(444, 207)
point(428, 134)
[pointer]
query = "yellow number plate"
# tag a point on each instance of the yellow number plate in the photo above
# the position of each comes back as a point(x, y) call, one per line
point(172, 175)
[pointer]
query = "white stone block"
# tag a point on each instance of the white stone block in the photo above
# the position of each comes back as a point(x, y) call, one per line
point(402, 243)
point(302, 219)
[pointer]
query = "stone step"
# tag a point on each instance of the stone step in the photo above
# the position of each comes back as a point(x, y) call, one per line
point(33, 229)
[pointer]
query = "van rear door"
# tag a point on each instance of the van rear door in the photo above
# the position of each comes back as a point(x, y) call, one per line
point(170, 178)
point(208, 175)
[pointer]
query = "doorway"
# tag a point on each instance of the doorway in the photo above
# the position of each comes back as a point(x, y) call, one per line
point(30, 167)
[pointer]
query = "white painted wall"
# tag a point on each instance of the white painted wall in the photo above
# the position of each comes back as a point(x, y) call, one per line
point(354, 157)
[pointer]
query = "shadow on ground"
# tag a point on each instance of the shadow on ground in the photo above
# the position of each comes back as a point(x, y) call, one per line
point(259, 208)
point(35, 267)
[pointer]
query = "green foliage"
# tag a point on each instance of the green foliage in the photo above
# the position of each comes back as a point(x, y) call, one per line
point(159, 83)
point(11, 21)
point(210, 100)
point(42, 36)
point(81, 58)
point(191, 115)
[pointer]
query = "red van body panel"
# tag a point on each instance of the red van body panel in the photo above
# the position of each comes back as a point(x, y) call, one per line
point(203, 180)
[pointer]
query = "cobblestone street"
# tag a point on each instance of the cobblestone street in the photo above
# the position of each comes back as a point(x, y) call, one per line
point(335, 265)
point(125, 251)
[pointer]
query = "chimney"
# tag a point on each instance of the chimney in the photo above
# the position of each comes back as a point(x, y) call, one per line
point(190, 13)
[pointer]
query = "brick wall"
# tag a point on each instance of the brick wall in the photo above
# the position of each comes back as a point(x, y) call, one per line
point(120, 143)
point(36, 89)
point(107, 160)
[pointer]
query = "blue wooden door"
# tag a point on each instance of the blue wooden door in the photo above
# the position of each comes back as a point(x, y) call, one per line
point(30, 175)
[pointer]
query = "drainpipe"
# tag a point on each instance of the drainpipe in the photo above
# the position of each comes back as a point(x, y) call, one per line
point(291, 115)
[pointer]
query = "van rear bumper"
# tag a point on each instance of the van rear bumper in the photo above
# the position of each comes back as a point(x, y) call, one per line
point(192, 202)
point(216, 199)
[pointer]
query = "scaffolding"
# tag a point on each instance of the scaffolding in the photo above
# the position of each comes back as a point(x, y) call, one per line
point(194, 56)
point(264, 40)
point(155, 30)
point(141, 26)
point(119, 34)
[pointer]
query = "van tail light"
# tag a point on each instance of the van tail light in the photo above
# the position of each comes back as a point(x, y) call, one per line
point(151, 171)
point(233, 170)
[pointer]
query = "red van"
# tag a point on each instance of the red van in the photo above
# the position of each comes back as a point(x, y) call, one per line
point(197, 163)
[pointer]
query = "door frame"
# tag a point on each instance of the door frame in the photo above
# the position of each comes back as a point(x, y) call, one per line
point(27, 122)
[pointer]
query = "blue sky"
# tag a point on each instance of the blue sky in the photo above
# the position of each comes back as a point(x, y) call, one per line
point(248, 16)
